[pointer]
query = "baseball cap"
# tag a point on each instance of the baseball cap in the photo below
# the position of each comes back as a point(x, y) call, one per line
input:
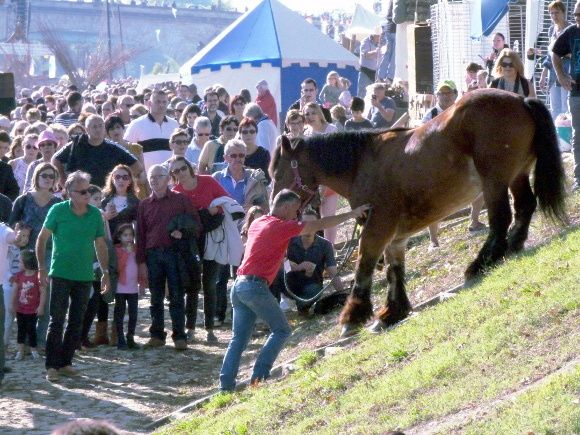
point(46, 136)
point(446, 84)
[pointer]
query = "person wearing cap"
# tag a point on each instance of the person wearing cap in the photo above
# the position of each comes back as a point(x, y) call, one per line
point(266, 101)
point(370, 52)
point(446, 94)
point(382, 113)
point(47, 144)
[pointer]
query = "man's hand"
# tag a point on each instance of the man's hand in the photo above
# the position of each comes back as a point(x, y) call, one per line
point(360, 211)
point(105, 283)
point(566, 82)
point(176, 234)
point(40, 311)
point(213, 210)
point(309, 268)
point(43, 277)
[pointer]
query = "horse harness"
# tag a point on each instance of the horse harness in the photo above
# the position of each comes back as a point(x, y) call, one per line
point(303, 187)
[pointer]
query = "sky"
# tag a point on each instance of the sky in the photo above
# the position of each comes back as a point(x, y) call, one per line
point(309, 6)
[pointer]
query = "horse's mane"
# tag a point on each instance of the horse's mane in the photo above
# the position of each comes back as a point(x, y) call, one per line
point(338, 152)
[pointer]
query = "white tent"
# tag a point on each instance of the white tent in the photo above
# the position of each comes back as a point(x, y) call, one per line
point(274, 43)
point(364, 23)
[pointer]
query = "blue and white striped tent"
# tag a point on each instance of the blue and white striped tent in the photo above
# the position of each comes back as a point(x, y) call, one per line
point(273, 43)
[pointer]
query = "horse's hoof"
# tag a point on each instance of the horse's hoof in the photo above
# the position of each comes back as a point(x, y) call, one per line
point(378, 326)
point(348, 330)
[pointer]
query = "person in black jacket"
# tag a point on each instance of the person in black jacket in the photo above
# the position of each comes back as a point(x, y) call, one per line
point(8, 184)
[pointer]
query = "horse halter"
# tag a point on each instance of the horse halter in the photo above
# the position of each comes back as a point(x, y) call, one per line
point(303, 187)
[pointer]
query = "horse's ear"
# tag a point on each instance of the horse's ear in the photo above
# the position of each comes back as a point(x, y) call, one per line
point(286, 148)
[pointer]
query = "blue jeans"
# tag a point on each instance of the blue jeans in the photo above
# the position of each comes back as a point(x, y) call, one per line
point(2, 313)
point(558, 100)
point(162, 268)
point(574, 106)
point(363, 81)
point(252, 299)
point(59, 350)
point(387, 65)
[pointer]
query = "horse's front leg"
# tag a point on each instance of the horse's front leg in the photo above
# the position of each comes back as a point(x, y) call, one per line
point(397, 305)
point(359, 308)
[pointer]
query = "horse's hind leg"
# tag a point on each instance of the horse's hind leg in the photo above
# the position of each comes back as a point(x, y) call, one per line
point(397, 305)
point(524, 205)
point(500, 216)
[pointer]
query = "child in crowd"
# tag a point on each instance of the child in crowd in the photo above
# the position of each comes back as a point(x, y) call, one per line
point(127, 286)
point(28, 302)
point(345, 96)
point(357, 107)
point(331, 90)
point(254, 213)
point(13, 262)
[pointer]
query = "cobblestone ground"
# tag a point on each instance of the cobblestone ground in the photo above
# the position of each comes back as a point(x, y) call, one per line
point(129, 388)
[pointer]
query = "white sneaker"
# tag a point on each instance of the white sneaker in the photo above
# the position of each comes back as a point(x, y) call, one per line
point(19, 356)
point(34, 354)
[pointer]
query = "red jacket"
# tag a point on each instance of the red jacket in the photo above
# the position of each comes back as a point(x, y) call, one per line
point(268, 106)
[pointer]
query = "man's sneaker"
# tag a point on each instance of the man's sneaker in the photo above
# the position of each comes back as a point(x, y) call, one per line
point(69, 371)
point(154, 342)
point(52, 375)
point(191, 335)
point(19, 356)
point(180, 345)
point(211, 338)
point(34, 354)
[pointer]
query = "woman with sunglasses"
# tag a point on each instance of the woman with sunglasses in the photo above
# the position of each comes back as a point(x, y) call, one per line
point(201, 191)
point(120, 201)
point(256, 156)
point(20, 164)
point(115, 131)
point(32, 208)
point(213, 151)
point(509, 73)
point(237, 107)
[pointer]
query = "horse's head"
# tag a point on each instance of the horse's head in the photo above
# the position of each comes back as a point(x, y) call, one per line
point(292, 169)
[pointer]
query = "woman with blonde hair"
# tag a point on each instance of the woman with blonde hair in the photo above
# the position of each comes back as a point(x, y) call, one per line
point(509, 73)
point(316, 123)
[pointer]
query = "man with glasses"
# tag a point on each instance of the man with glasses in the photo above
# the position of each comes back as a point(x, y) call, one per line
point(568, 43)
point(153, 129)
point(124, 104)
point(77, 230)
point(212, 154)
point(178, 143)
point(202, 131)
point(93, 153)
point(211, 111)
point(156, 258)
point(47, 144)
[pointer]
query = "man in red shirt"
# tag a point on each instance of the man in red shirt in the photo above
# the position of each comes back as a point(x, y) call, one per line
point(268, 239)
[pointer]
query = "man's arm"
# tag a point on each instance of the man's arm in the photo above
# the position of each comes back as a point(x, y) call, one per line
point(332, 221)
point(43, 237)
point(103, 257)
point(564, 79)
point(387, 114)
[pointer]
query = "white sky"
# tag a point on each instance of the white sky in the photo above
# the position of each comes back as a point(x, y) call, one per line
point(309, 6)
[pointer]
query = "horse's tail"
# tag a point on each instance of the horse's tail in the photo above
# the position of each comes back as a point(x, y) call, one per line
point(549, 177)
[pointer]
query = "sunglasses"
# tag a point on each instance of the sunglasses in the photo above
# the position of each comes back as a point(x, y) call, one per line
point(81, 192)
point(507, 65)
point(122, 177)
point(47, 176)
point(180, 142)
point(178, 170)
point(46, 144)
point(202, 134)
point(248, 131)
point(235, 156)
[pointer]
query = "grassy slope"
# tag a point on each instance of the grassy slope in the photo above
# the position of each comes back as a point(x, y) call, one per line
point(519, 325)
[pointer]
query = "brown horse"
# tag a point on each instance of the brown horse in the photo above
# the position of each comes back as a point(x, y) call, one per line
point(488, 141)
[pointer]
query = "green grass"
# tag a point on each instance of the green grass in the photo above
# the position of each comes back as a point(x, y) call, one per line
point(517, 326)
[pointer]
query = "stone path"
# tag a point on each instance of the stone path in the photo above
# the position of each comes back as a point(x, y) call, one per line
point(129, 388)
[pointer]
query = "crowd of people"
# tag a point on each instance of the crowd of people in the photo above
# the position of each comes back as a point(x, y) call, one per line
point(107, 193)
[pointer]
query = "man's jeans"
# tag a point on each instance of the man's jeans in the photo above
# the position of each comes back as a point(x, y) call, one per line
point(2, 312)
point(59, 350)
point(162, 268)
point(574, 103)
point(252, 299)
point(387, 65)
